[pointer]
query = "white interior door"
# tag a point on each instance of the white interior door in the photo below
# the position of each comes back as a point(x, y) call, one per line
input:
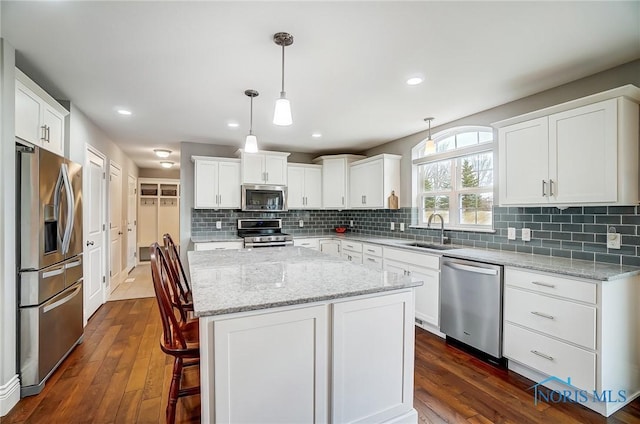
point(94, 193)
point(115, 225)
point(131, 223)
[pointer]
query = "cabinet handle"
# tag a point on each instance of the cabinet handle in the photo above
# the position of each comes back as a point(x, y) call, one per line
point(371, 250)
point(550, 187)
point(538, 283)
point(544, 188)
point(342, 200)
point(542, 355)
point(371, 259)
point(44, 133)
point(48, 134)
point(540, 314)
point(267, 174)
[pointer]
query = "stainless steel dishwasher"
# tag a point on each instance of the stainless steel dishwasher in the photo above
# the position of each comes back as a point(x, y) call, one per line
point(471, 304)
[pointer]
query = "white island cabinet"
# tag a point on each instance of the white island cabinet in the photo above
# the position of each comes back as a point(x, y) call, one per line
point(293, 335)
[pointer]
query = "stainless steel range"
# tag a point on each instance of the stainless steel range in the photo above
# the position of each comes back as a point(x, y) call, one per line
point(263, 233)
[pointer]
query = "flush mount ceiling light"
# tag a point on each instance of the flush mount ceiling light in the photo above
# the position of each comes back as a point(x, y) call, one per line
point(162, 153)
point(251, 142)
point(166, 164)
point(316, 135)
point(233, 125)
point(124, 112)
point(414, 81)
point(282, 112)
point(429, 145)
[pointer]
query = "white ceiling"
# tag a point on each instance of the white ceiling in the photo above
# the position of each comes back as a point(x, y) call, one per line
point(182, 67)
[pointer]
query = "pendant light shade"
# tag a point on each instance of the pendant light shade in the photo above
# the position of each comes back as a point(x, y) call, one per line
point(429, 145)
point(282, 112)
point(251, 142)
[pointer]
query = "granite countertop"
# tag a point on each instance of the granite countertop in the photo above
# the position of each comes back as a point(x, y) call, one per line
point(230, 281)
point(570, 267)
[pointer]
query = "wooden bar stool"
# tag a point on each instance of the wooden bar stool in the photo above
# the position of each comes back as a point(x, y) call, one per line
point(179, 339)
point(183, 296)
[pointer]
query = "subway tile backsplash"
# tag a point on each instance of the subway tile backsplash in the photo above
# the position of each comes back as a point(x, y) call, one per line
point(576, 232)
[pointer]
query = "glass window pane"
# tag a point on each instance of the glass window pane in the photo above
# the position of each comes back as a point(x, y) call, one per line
point(436, 176)
point(468, 172)
point(436, 204)
point(476, 209)
point(485, 136)
point(466, 139)
point(446, 144)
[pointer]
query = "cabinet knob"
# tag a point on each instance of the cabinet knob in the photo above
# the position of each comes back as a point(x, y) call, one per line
point(89, 243)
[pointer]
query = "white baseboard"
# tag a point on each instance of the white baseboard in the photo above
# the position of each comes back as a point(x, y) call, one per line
point(9, 395)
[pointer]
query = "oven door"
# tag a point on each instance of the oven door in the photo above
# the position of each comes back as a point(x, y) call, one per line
point(264, 198)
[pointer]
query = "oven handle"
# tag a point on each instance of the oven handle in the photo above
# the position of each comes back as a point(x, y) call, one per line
point(270, 244)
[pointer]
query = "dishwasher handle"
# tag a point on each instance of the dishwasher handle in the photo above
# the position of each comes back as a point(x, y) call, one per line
point(471, 268)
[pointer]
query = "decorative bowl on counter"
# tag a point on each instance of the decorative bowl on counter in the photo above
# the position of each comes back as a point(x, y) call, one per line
point(341, 229)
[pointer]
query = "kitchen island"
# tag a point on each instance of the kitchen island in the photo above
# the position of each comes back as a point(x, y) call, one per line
point(293, 335)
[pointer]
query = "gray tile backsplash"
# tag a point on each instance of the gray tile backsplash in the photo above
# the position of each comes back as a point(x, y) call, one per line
point(576, 232)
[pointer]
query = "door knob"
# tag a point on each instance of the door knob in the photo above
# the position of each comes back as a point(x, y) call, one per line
point(128, 229)
point(119, 233)
point(89, 243)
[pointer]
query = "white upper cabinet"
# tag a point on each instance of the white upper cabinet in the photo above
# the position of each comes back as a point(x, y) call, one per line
point(335, 180)
point(264, 168)
point(372, 180)
point(39, 119)
point(584, 155)
point(216, 183)
point(304, 190)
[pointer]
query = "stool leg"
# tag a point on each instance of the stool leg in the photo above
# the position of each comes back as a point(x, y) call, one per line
point(174, 388)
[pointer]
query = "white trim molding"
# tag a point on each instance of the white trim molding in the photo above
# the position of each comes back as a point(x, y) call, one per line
point(9, 395)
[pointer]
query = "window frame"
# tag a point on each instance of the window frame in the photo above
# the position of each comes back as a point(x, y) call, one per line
point(454, 155)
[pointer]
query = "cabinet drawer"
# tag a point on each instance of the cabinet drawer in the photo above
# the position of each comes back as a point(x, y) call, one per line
point(353, 246)
point(354, 257)
point(374, 262)
point(310, 243)
point(419, 259)
point(550, 284)
point(218, 245)
point(560, 318)
point(550, 356)
point(372, 250)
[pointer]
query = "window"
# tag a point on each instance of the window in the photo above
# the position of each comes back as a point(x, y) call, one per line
point(454, 175)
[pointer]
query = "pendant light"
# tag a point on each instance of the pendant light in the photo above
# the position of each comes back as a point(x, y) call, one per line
point(282, 112)
point(429, 145)
point(251, 142)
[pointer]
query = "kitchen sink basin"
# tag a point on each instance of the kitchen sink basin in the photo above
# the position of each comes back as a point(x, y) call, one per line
point(426, 245)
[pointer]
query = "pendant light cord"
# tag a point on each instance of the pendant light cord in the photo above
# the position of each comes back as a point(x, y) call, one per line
point(251, 118)
point(282, 69)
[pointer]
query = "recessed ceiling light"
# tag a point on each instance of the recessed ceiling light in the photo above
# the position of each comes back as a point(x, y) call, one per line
point(414, 80)
point(316, 135)
point(124, 112)
point(162, 153)
point(233, 125)
point(166, 164)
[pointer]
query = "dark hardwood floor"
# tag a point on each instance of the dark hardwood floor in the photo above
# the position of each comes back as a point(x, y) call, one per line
point(119, 375)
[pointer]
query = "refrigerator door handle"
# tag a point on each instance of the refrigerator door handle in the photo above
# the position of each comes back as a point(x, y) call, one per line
point(62, 301)
point(70, 203)
point(56, 206)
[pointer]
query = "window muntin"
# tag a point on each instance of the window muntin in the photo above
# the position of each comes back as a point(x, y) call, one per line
point(456, 180)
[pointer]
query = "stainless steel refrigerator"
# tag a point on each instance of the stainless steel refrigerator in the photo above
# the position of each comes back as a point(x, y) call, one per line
point(50, 298)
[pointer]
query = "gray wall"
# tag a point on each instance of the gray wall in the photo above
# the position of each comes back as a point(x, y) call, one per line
point(628, 73)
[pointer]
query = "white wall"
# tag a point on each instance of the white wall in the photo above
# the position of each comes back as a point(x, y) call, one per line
point(9, 384)
point(83, 131)
point(628, 73)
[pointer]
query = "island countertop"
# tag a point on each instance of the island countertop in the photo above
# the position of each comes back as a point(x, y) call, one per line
point(230, 281)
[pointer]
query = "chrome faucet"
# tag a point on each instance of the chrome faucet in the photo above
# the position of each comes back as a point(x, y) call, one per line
point(443, 239)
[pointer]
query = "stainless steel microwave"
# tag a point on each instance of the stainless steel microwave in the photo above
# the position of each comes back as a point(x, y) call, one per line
point(264, 198)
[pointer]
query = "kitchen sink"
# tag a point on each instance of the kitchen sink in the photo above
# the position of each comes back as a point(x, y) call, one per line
point(425, 245)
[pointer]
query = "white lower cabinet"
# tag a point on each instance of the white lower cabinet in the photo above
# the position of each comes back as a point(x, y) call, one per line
point(309, 243)
point(373, 343)
point(344, 361)
point(424, 267)
point(560, 328)
point(330, 246)
point(218, 245)
point(352, 251)
point(272, 367)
